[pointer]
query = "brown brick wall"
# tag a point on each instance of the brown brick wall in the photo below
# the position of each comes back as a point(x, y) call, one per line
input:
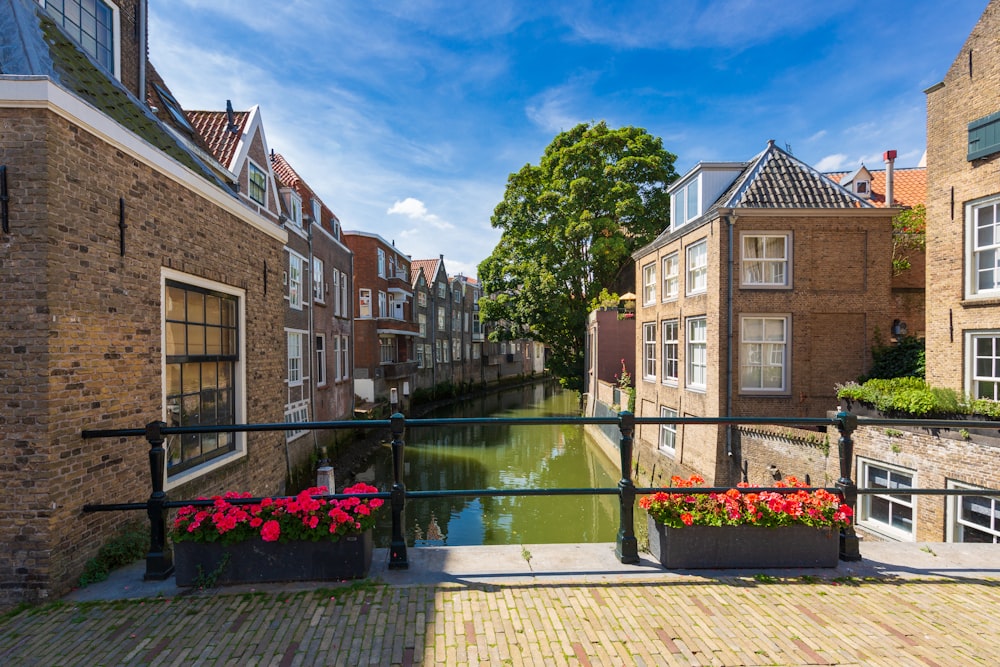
point(966, 95)
point(82, 347)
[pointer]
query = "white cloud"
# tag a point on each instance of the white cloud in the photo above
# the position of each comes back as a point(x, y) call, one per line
point(836, 162)
point(415, 210)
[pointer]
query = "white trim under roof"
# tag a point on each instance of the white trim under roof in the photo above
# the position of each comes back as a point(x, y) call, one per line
point(40, 92)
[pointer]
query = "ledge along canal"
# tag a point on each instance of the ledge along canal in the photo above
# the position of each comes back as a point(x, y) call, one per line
point(501, 457)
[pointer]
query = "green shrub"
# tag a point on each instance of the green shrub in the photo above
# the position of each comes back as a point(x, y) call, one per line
point(913, 397)
point(128, 546)
point(906, 358)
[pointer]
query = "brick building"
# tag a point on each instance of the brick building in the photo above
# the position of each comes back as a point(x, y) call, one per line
point(139, 287)
point(766, 289)
point(385, 327)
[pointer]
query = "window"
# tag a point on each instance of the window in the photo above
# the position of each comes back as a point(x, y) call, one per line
point(336, 358)
point(984, 136)
point(422, 299)
point(257, 188)
point(202, 368)
point(763, 342)
point(294, 203)
point(318, 288)
point(648, 284)
point(984, 372)
point(437, 351)
point(387, 349)
point(294, 358)
point(891, 514)
point(973, 518)
point(697, 353)
point(861, 187)
point(668, 433)
point(441, 290)
point(345, 306)
point(671, 270)
point(440, 318)
point(697, 267)
point(765, 260)
point(345, 353)
point(456, 349)
point(320, 360)
point(383, 305)
point(336, 293)
point(685, 204)
point(296, 413)
point(365, 303)
point(422, 320)
point(381, 263)
point(456, 296)
point(649, 350)
point(446, 351)
point(295, 281)
point(93, 25)
point(671, 360)
point(420, 356)
point(984, 235)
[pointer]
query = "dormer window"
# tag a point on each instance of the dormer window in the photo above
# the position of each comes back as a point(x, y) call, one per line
point(294, 202)
point(93, 25)
point(686, 203)
point(861, 188)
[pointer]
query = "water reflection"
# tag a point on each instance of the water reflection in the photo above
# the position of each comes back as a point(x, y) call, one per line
point(502, 457)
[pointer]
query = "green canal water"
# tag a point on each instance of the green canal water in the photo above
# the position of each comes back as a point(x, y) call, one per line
point(502, 457)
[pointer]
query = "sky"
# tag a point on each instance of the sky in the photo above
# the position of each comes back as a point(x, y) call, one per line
point(407, 118)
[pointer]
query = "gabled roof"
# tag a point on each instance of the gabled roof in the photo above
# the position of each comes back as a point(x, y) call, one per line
point(220, 135)
point(776, 179)
point(428, 266)
point(31, 44)
point(288, 177)
point(909, 186)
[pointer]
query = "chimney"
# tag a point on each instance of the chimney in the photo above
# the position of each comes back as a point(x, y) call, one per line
point(889, 157)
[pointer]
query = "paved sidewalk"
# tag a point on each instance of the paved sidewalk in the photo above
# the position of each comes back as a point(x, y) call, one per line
point(936, 604)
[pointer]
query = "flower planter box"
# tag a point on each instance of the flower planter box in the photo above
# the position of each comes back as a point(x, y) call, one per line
point(256, 561)
point(702, 547)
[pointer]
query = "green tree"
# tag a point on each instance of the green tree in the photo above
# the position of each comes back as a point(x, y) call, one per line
point(570, 225)
point(909, 236)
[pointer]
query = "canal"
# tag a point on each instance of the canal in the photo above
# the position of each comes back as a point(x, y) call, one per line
point(502, 457)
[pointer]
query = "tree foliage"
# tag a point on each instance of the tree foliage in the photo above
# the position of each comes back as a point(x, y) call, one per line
point(909, 236)
point(570, 225)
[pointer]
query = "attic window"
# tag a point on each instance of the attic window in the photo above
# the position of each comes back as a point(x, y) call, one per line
point(861, 187)
point(174, 108)
point(984, 136)
point(92, 24)
point(257, 189)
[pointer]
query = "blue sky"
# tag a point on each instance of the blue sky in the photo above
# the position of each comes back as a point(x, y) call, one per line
point(408, 117)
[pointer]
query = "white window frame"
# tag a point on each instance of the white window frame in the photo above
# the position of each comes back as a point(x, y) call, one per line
point(649, 284)
point(696, 353)
point(671, 368)
point(336, 293)
point(296, 265)
point(422, 299)
point(365, 303)
point(977, 251)
point(345, 353)
point(441, 321)
point(671, 276)
point(253, 170)
point(296, 373)
point(696, 277)
point(422, 323)
point(388, 349)
point(956, 523)
point(766, 265)
point(337, 370)
point(72, 29)
point(894, 500)
point(239, 449)
point(383, 304)
point(381, 262)
point(420, 356)
point(345, 304)
point(319, 288)
point(294, 202)
point(296, 412)
point(763, 353)
point(320, 360)
point(649, 351)
point(976, 380)
point(667, 443)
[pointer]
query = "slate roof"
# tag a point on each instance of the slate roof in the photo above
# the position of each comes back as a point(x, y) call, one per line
point(31, 44)
point(215, 131)
point(909, 186)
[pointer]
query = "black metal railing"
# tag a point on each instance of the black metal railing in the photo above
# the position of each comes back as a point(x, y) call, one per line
point(159, 562)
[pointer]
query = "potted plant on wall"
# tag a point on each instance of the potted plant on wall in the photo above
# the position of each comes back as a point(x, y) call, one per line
point(690, 529)
point(299, 538)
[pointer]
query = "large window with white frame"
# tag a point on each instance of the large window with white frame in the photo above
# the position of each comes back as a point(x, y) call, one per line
point(973, 518)
point(387, 349)
point(202, 367)
point(383, 304)
point(671, 351)
point(983, 352)
point(649, 284)
point(697, 268)
point(295, 268)
point(345, 355)
point(295, 371)
point(765, 260)
point(345, 304)
point(891, 513)
point(422, 323)
point(337, 370)
point(93, 25)
point(671, 275)
point(364, 303)
point(381, 263)
point(764, 353)
point(696, 371)
point(320, 360)
point(335, 275)
point(649, 350)
point(319, 289)
point(983, 247)
point(685, 203)
point(668, 432)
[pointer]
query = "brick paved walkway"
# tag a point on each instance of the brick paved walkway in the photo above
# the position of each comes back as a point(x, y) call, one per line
point(737, 620)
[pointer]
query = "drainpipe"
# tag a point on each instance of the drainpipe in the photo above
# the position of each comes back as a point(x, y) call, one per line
point(731, 220)
point(311, 346)
point(143, 55)
point(889, 157)
point(350, 319)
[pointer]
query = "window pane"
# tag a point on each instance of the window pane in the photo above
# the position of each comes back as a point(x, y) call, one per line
point(176, 338)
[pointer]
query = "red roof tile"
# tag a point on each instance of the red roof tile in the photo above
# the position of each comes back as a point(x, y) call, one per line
point(909, 186)
point(213, 126)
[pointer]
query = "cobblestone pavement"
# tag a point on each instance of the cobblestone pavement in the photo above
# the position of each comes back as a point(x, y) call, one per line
point(823, 617)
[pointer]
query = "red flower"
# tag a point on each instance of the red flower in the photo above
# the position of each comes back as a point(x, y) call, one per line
point(271, 531)
point(687, 518)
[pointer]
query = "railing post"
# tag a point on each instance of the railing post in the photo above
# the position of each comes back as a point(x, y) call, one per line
point(159, 560)
point(846, 424)
point(397, 549)
point(626, 547)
